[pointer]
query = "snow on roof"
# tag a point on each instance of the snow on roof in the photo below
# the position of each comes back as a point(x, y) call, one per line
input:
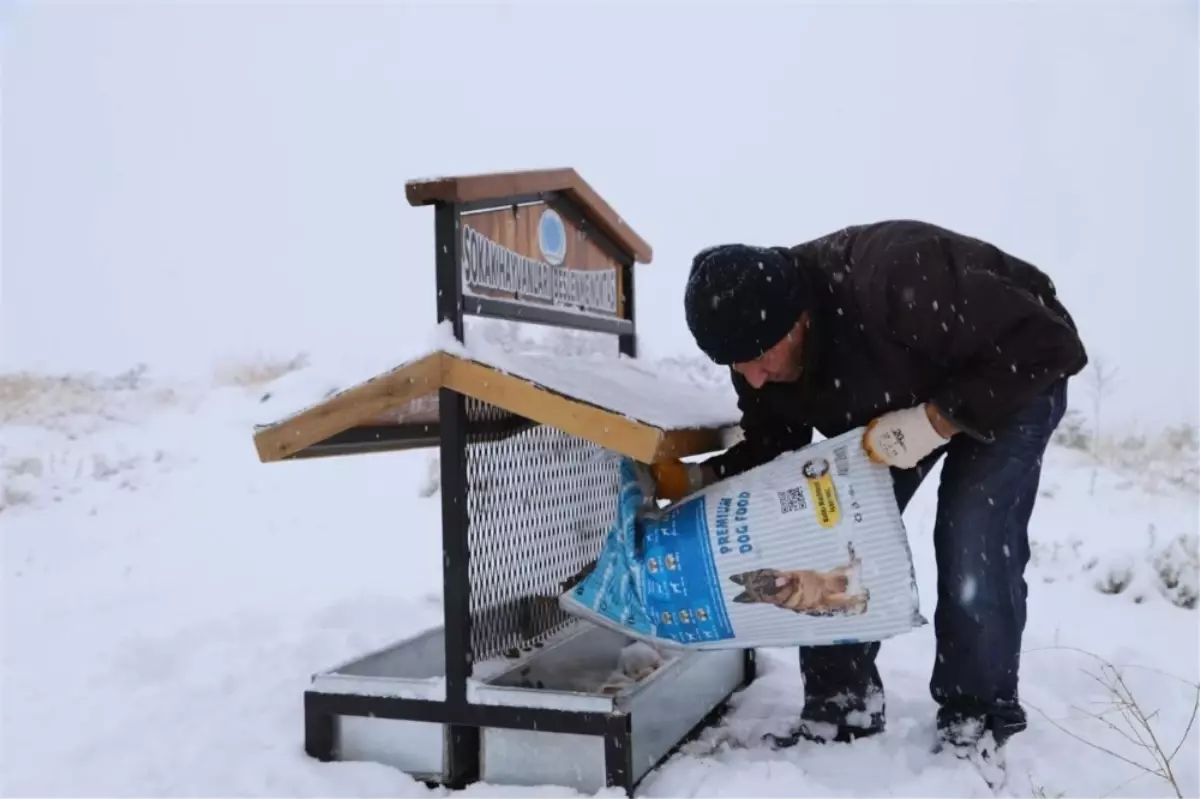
point(666, 394)
point(630, 387)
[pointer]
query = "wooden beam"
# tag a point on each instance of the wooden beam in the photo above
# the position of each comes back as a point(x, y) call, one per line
point(496, 185)
point(685, 443)
point(516, 395)
point(350, 407)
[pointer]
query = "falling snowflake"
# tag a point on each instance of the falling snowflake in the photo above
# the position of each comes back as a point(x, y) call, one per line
point(966, 594)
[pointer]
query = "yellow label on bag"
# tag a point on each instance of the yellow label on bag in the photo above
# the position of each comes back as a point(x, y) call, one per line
point(820, 485)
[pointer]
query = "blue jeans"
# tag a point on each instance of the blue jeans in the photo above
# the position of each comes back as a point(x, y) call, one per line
point(981, 545)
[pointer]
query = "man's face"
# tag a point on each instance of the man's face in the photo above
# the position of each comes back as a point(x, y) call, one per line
point(781, 363)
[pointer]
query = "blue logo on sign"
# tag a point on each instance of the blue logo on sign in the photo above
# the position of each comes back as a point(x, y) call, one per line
point(552, 237)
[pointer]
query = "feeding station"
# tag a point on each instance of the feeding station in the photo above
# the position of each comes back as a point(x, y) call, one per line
point(510, 689)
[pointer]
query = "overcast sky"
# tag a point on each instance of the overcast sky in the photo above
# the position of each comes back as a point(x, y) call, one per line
point(184, 182)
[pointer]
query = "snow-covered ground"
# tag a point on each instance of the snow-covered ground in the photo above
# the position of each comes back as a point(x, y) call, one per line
point(166, 598)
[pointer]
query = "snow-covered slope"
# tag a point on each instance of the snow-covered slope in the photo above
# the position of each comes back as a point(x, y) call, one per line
point(166, 598)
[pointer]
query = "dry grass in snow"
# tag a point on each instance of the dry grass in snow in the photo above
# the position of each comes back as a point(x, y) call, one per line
point(63, 402)
point(256, 372)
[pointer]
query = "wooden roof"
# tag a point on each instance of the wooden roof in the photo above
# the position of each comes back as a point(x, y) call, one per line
point(399, 410)
point(493, 185)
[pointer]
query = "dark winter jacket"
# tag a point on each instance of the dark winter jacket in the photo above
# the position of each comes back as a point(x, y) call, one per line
point(910, 312)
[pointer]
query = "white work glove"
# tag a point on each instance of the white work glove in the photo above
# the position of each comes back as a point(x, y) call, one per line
point(901, 439)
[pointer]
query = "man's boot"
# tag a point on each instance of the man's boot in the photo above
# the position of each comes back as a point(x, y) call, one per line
point(820, 732)
point(844, 698)
point(972, 739)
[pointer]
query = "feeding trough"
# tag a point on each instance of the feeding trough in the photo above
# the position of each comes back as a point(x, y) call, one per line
point(510, 689)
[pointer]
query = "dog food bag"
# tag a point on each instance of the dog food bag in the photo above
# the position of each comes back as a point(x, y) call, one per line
point(808, 549)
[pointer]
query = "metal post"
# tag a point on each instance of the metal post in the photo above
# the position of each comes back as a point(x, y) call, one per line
point(462, 740)
point(449, 276)
point(627, 342)
point(456, 586)
point(749, 665)
point(319, 734)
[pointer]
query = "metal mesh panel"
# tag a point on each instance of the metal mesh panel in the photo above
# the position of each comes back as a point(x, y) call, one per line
point(540, 503)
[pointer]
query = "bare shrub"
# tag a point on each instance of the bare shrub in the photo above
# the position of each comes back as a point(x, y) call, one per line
point(1182, 438)
point(13, 496)
point(1123, 713)
point(1165, 460)
point(1116, 579)
point(1178, 566)
point(1101, 386)
point(1072, 432)
point(1040, 792)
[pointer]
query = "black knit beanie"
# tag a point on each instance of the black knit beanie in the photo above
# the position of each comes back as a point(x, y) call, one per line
point(741, 300)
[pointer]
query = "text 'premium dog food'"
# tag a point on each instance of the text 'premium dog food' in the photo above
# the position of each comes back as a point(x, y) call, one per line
point(808, 549)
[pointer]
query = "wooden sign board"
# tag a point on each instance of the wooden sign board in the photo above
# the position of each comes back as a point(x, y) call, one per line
point(534, 255)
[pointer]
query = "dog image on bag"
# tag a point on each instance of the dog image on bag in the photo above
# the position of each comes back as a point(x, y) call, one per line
point(807, 591)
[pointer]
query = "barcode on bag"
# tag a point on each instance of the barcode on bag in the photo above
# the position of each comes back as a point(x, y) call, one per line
point(841, 462)
point(792, 500)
